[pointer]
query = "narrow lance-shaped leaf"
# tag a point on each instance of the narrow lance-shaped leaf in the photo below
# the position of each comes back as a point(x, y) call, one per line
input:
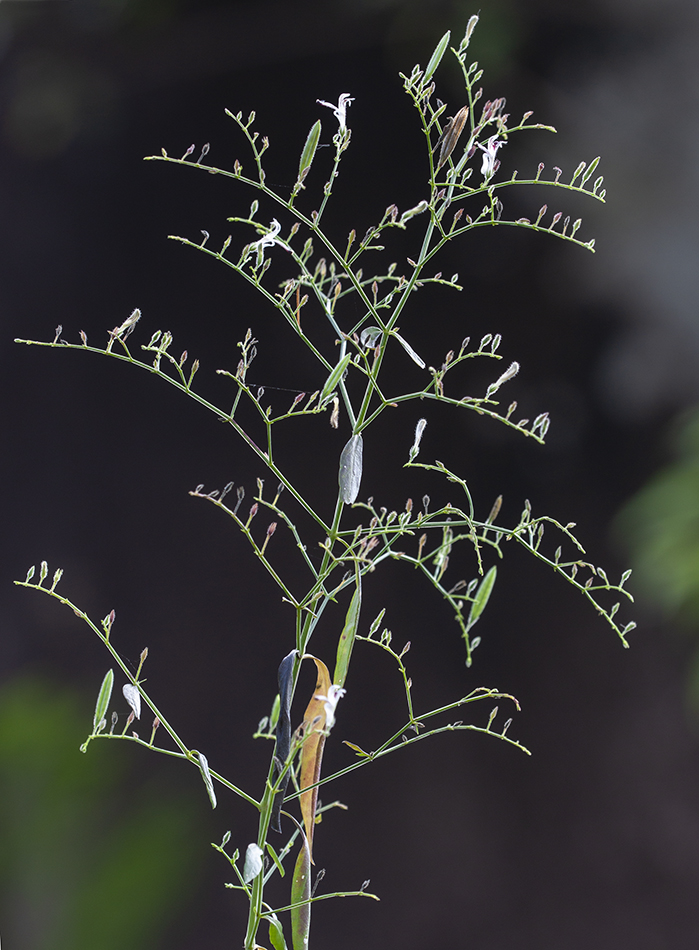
point(309, 150)
point(350, 476)
point(301, 891)
point(105, 694)
point(312, 750)
point(276, 933)
point(436, 57)
point(481, 598)
point(349, 632)
point(282, 747)
point(206, 775)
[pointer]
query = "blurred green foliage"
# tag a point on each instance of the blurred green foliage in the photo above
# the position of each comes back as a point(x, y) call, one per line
point(91, 858)
point(661, 523)
point(661, 526)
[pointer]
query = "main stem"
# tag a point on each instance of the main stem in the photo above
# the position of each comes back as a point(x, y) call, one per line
point(255, 911)
point(267, 803)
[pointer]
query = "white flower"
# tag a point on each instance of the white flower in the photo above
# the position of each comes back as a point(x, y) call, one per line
point(340, 109)
point(267, 240)
point(419, 429)
point(509, 373)
point(335, 694)
point(489, 152)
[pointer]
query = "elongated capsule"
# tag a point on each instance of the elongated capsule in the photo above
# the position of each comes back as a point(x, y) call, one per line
point(350, 475)
point(450, 135)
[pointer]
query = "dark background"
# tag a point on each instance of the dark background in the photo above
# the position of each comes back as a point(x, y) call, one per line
point(592, 842)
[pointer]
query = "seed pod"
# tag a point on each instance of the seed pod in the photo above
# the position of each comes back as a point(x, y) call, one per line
point(309, 150)
point(436, 58)
point(206, 775)
point(334, 378)
point(451, 135)
point(350, 475)
point(133, 698)
point(105, 694)
point(253, 862)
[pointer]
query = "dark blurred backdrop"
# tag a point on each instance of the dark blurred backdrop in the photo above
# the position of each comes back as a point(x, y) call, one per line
point(594, 841)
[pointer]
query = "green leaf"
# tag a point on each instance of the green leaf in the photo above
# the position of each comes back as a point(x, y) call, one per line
point(301, 891)
point(309, 150)
point(356, 748)
point(275, 857)
point(276, 933)
point(105, 694)
point(349, 632)
point(436, 57)
point(481, 599)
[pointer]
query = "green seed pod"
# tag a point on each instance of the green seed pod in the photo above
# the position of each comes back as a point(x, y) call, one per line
point(309, 150)
point(483, 593)
point(334, 378)
point(105, 694)
point(436, 57)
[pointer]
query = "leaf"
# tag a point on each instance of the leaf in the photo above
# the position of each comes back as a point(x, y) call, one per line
point(312, 751)
point(349, 632)
point(206, 775)
point(409, 350)
point(436, 57)
point(275, 857)
point(301, 891)
point(133, 698)
point(282, 747)
point(350, 475)
point(253, 862)
point(276, 933)
point(356, 748)
point(481, 598)
point(309, 150)
point(105, 694)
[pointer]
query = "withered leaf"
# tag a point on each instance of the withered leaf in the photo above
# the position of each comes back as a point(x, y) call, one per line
point(283, 744)
point(312, 751)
